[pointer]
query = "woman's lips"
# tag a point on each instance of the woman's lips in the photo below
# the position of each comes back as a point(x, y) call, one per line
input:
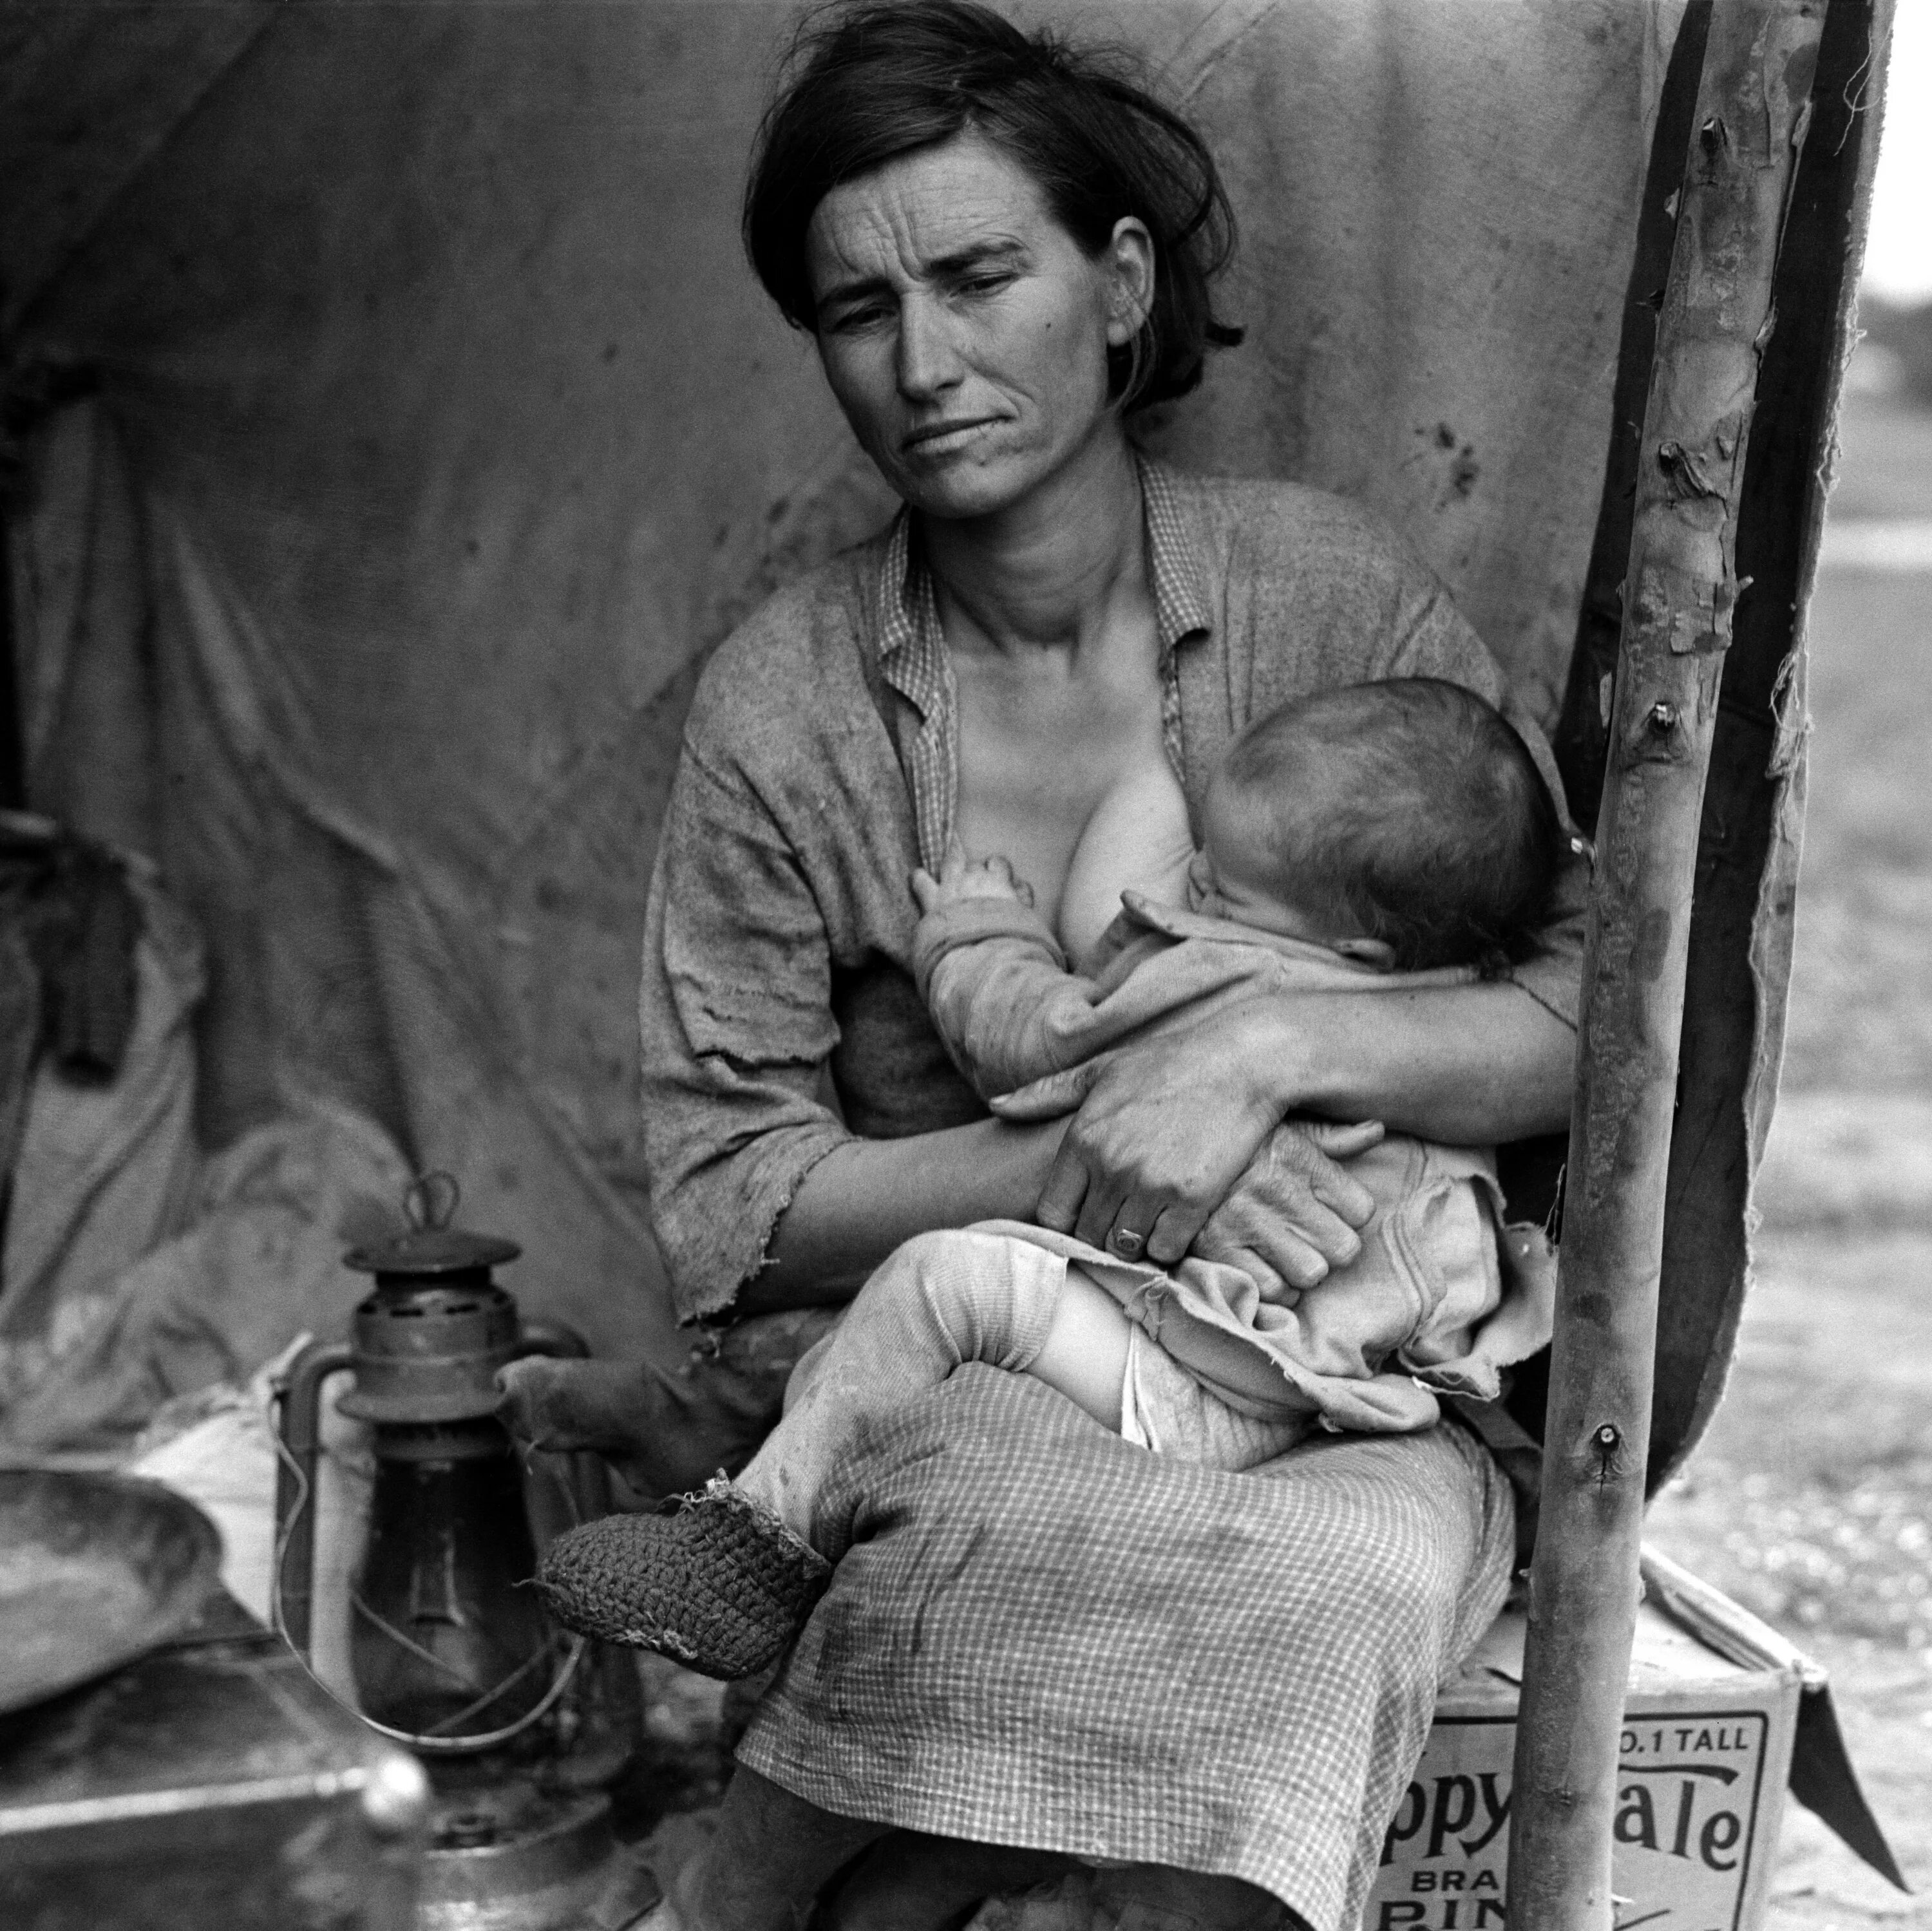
point(941, 438)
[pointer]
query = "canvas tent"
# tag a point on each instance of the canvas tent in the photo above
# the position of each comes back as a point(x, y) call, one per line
point(398, 426)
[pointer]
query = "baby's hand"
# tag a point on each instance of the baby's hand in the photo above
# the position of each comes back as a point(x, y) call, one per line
point(961, 878)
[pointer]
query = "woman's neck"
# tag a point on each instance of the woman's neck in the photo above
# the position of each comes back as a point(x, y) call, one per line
point(1047, 573)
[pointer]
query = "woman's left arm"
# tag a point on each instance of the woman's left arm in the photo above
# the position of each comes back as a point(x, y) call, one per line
point(1165, 1127)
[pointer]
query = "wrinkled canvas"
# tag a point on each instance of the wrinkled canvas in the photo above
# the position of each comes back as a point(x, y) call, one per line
point(442, 431)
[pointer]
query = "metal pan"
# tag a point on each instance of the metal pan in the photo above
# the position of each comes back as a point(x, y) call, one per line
point(95, 1570)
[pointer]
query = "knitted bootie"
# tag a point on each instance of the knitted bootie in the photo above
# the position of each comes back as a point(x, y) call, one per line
point(720, 1587)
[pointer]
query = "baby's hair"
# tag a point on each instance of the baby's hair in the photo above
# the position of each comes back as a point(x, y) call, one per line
point(1409, 811)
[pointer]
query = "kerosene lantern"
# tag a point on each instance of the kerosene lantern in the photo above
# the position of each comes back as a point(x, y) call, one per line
point(518, 1724)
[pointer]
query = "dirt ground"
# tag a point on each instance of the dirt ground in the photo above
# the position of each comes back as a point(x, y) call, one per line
point(1810, 1500)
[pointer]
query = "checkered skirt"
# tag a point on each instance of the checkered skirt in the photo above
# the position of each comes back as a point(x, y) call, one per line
point(1040, 1635)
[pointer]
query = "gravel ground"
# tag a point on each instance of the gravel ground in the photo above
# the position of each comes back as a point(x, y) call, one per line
point(1811, 1501)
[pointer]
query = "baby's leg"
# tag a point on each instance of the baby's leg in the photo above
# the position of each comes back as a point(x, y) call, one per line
point(725, 1584)
point(940, 1301)
point(1167, 1411)
point(1084, 1354)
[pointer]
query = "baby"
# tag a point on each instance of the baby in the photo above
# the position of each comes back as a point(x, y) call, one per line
point(1375, 838)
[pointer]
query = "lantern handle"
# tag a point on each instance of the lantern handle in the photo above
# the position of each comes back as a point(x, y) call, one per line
point(431, 1201)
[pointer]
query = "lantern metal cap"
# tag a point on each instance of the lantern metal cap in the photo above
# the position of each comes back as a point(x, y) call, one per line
point(431, 1246)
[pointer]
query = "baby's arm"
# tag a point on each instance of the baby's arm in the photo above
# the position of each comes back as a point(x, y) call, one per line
point(993, 976)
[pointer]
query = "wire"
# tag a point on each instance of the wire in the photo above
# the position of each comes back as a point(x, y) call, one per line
point(427, 1742)
point(402, 1640)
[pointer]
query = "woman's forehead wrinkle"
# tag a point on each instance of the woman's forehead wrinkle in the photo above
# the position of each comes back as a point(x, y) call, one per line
point(910, 222)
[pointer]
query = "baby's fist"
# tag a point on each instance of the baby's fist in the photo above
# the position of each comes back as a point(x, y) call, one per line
point(961, 878)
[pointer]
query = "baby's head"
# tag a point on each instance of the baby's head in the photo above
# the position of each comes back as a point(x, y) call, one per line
point(1403, 823)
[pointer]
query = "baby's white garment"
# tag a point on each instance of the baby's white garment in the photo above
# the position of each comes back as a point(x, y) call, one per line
point(1167, 1411)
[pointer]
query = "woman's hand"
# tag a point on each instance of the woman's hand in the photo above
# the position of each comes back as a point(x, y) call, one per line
point(1293, 1215)
point(1164, 1130)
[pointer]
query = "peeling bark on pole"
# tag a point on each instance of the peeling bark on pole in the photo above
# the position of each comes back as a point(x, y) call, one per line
point(1752, 110)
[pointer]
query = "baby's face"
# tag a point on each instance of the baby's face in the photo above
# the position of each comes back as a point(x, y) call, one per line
point(1234, 874)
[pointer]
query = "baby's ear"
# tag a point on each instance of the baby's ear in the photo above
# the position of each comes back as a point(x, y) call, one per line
point(1376, 953)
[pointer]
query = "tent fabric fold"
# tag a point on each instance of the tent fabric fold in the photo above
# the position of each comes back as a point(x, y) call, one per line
point(445, 432)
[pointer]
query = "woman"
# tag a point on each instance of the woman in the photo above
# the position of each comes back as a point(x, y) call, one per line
point(1040, 1637)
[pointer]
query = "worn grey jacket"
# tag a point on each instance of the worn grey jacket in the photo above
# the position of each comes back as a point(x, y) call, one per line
point(779, 1012)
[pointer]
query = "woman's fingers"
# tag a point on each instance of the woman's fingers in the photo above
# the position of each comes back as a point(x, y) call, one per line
point(1156, 1144)
point(1298, 1262)
point(1294, 1208)
point(1175, 1230)
point(1065, 1193)
point(1301, 1221)
point(1292, 1151)
point(1342, 1141)
point(924, 888)
point(1101, 1211)
point(1256, 1229)
point(1272, 1286)
point(1052, 1098)
point(1291, 1238)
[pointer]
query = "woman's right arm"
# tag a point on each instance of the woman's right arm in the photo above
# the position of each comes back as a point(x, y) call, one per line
point(866, 1197)
point(762, 1199)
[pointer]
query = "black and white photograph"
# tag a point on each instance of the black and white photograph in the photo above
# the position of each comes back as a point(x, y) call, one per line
point(965, 965)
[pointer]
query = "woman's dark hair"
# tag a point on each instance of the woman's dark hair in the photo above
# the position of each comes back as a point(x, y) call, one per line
point(867, 82)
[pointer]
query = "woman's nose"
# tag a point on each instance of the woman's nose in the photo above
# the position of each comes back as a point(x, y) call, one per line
point(928, 358)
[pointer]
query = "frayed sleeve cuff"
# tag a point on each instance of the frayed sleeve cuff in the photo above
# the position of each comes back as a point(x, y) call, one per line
point(718, 1234)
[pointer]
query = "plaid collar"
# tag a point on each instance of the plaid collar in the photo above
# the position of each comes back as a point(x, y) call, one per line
point(912, 646)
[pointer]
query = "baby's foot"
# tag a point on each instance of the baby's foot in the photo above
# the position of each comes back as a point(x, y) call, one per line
point(722, 1586)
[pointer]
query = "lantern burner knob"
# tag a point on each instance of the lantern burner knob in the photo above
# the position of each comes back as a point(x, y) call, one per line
point(467, 1830)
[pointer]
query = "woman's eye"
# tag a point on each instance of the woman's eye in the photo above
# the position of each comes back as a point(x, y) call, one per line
point(850, 321)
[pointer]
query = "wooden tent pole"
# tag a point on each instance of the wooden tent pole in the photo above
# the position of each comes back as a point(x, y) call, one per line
point(1752, 111)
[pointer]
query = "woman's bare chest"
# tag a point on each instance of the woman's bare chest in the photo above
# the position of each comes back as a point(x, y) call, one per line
point(1035, 758)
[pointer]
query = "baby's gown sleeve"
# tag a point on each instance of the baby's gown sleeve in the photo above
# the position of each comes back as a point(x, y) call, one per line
point(1004, 999)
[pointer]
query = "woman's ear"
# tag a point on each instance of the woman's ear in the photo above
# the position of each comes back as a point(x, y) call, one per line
point(1376, 953)
point(1130, 264)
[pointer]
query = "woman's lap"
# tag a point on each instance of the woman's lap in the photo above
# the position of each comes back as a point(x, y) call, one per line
point(1040, 1635)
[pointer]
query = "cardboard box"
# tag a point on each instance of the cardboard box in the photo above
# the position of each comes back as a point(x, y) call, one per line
point(1707, 1742)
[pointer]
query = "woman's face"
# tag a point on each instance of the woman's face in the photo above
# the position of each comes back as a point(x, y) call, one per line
point(964, 330)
